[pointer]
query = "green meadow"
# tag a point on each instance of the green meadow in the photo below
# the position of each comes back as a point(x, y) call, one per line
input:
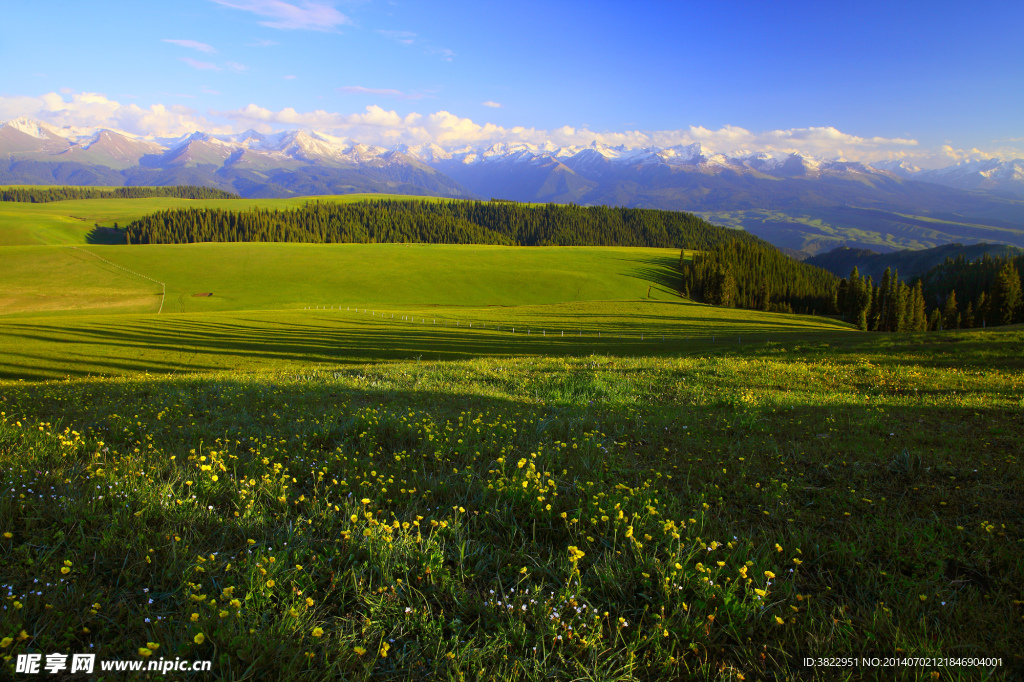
point(488, 463)
point(66, 346)
point(73, 222)
point(261, 276)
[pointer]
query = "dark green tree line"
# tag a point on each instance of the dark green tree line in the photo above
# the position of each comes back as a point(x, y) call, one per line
point(891, 306)
point(966, 294)
point(41, 195)
point(748, 274)
point(446, 222)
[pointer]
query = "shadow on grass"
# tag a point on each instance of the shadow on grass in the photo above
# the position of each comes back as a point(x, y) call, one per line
point(168, 344)
point(771, 441)
point(105, 235)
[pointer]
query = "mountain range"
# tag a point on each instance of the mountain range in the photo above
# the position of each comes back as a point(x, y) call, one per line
point(986, 197)
point(909, 264)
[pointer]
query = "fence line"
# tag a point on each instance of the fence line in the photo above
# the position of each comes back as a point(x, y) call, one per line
point(163, 287)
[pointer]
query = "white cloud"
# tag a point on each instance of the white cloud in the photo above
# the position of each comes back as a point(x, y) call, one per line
point(236, 67)
point(89, 110)
point(445, 53)
point(377, 125)
point(380, 126)
point(380, 92)
point(288, 78)
point(404, 37)
point(307, 14)
point(192, 44)
point(493, 105)
point(201, 66)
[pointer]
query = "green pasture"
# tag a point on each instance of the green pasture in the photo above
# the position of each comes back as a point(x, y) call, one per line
point(72, 222)
point(264, 276)
point(60, 280)
point(394, 461)
point(59, 346)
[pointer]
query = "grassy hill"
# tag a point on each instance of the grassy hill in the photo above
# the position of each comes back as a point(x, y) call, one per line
point(73, 222)
point(63, 280)
point(273, 305)
point(269, 276)
point(392, 461)
point(54, 347)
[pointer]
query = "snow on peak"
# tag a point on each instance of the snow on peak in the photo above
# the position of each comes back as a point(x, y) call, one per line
point(683, 153)
point(428, 152)
point(38, 129)
point(501, 150)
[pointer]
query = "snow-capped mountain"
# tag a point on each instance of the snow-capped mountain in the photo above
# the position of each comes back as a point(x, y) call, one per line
point(990, 174)
point(286, 163)
point(306, 161)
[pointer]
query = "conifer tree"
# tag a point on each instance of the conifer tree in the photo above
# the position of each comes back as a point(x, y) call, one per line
point(920, 317)
point(981, 310)
point(874, 310)
point(841, 291)
point(884, 301)
point(892, 308)
point(902, 304)
point(858, 300)
point(1005, 300)
point(950, 313)
point(852, 296)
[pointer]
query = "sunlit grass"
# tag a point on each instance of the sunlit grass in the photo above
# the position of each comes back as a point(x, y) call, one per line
point(527, 517)
point(57, 346)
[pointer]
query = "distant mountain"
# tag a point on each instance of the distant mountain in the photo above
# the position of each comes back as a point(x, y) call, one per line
point(909, 264)
point(993, 175)
point(292, 163)
point(690, 177)
point(796, 201)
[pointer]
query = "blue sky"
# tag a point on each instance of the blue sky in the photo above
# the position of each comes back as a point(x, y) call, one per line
point(926, 80)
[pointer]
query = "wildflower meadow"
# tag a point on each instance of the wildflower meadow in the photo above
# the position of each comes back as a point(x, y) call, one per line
point(716, 515)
